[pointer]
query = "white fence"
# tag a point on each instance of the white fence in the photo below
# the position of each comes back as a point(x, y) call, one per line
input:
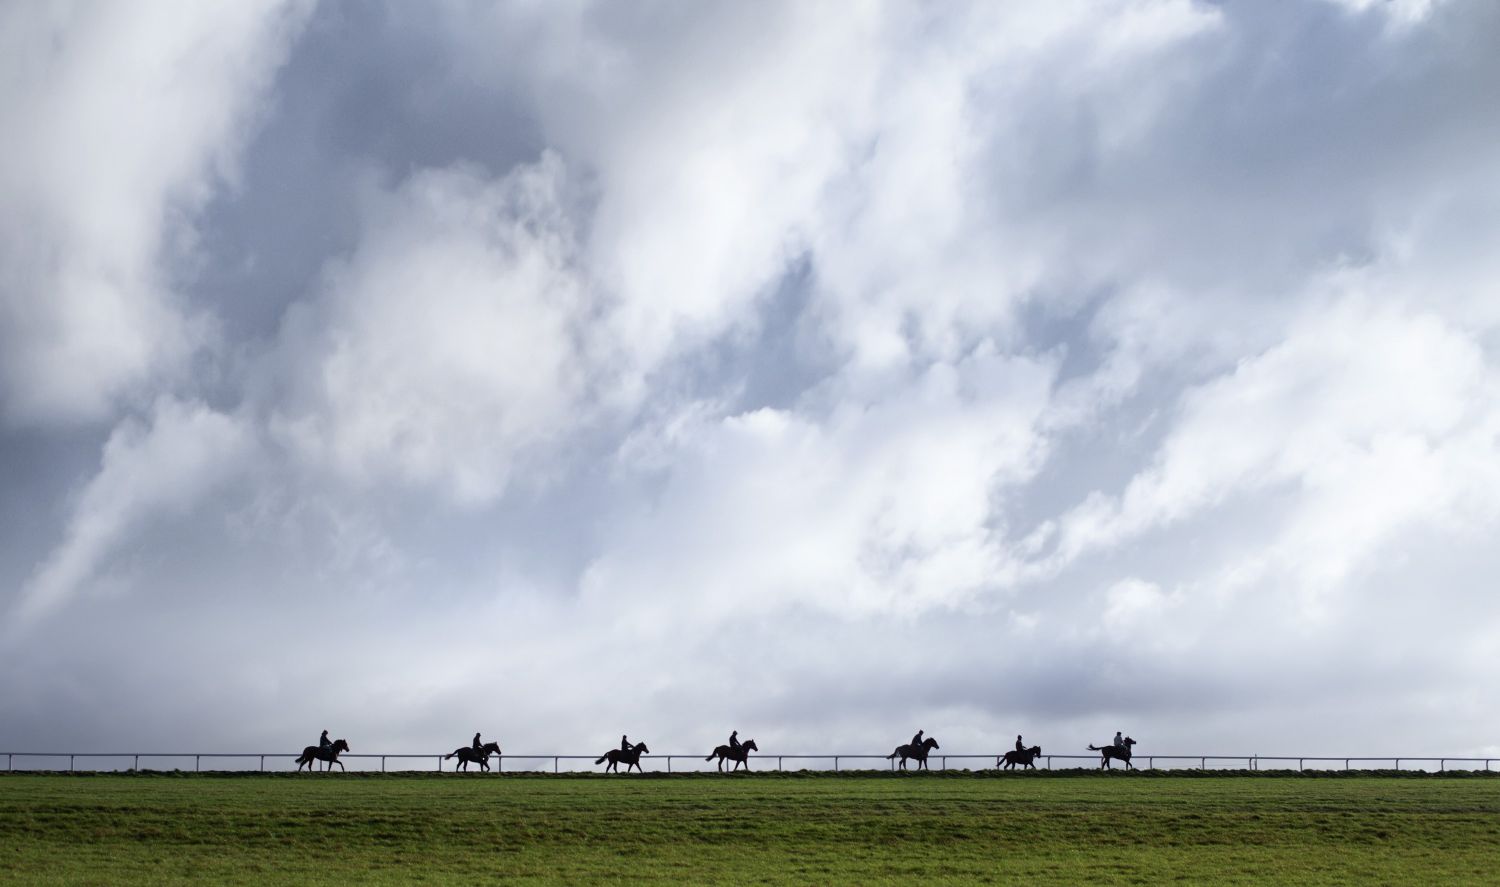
point(281, 761)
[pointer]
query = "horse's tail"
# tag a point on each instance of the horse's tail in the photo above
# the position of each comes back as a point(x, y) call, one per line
point(893, 754)
point(711, 757)
point(450, 754)
point(1095, 748)
point(602, 758)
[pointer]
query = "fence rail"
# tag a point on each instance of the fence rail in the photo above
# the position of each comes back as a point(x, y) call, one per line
point(539, 762)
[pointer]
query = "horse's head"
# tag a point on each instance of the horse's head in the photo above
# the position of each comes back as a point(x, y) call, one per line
point(749, 745)
point(929, 742)
point(1036, 751)
point(641, 747)
point(1129, 741)
point(492, 747)
point(341, 745)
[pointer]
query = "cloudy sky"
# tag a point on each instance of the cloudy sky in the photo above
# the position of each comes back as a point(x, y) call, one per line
point(823, 371)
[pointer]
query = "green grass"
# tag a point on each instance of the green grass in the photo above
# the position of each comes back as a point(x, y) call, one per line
point(877, 828)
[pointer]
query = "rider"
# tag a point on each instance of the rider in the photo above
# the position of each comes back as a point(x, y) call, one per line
point(625, 745)
point(734, 741)
point(1119, 741)
point(916, 741)
point(324, 742)
point(477, 745)
point(1020, 746)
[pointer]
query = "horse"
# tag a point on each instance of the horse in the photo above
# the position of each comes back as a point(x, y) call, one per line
point(1111, 752)
point(1024, 758)
point(467, 755)
point(739, 756)
point(630, 758)
point(919, 753)
point(318, 753)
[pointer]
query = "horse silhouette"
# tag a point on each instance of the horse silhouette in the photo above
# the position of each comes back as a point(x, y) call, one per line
point(919, 754)
point(739, 756)
point(630, 758)
point(1024, 758)
point(467, 755)
point(317, 753)
point(1110, 752)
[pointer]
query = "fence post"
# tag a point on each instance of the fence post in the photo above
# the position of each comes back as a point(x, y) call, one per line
point(196, 759)
point(1346, 765)
point(669, 763)
point(499, 763)
point(1398, 763)
point(778, 764)
point(137, 763)
point(70, 763)
point(554, 764)
point(1203, 763)
point(835, 763)
point(1442, 765)
point(1049, 762)
point(440, 763)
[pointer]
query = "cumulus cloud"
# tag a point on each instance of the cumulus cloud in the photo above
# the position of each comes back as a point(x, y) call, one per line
point(828, 369)
point(165, 463)
point(450, 346)
point(875, 508)
point(120, 123)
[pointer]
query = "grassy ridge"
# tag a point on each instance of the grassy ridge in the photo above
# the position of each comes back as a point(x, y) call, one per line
point(112, 829)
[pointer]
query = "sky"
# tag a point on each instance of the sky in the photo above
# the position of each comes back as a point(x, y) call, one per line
point(821, 371)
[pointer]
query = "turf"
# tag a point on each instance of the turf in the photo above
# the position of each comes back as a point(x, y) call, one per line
point(865, 829)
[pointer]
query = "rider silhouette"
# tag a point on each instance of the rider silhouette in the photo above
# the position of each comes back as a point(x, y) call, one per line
point(916, 741)
point(324, 741)
point(625, 745)
point(734, 740)
point(1019, 745)
point(1119, 741)
point(477, 744)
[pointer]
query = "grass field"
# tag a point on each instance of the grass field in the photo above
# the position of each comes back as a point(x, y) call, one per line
point(878, 828)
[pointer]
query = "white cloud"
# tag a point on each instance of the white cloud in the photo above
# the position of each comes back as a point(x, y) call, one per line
point(1353, 386)
point(880, 508)
point(842, 367)
point(120, 122)
point(149, 468)
point(450, 346)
